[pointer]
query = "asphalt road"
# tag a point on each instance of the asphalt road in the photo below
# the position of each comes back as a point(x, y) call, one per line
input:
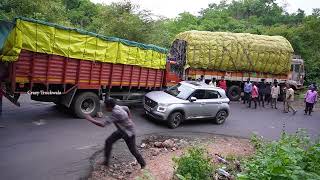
point(39, 141)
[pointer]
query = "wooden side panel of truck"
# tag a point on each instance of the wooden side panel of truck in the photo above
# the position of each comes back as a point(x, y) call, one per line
point(33, 69)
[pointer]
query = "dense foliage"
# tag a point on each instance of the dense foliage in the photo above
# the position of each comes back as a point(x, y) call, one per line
point(127, 21)
point(291, 157)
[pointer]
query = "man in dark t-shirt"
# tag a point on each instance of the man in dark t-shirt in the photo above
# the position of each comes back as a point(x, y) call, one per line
point(268, 93)
point(262, 92)
point(122, 119)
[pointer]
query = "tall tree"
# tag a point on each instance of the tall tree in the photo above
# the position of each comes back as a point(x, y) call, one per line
point(53, 10)
point(127, 20)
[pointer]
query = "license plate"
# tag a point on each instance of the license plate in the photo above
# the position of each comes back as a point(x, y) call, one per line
point(147, 108)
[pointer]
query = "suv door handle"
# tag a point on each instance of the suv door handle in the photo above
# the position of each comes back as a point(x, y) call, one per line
point(203, 103)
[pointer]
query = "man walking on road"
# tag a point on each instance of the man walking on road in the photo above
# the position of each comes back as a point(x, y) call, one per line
point(247, 91)
point(289, 100)
point(310, 99)
point(275, 91)
point(122, 119)
point(262, 92)
point(268, 93)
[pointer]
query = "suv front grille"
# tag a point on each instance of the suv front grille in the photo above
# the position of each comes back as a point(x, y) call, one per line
point(149, 102)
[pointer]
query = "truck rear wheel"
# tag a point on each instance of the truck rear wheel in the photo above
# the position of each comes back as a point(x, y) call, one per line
point(86, 103)
point(234, 93)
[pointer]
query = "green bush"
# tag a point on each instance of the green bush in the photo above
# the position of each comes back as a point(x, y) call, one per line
point(311, 160)
point(291, 157)
point(194, 165)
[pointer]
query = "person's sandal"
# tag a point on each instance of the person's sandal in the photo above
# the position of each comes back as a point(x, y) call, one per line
point(294, 112)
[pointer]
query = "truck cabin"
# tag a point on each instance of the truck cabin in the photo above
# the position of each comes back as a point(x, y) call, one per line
point(297, 72)
point(176, 61)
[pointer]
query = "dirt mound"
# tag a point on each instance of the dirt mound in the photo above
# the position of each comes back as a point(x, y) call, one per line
point(158, 152)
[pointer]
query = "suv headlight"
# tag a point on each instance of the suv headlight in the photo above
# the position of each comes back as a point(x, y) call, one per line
point(162, 108)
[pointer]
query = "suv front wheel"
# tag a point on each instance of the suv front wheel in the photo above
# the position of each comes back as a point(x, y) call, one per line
point(175, 120)
point(221, 117)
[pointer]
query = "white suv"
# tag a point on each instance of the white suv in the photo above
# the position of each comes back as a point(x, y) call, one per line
point(187, 100)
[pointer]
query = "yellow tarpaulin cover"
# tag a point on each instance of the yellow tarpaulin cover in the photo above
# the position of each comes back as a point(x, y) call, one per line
point(237, 52)
point(42, 37)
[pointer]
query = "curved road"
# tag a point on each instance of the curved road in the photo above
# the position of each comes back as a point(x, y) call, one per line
point(40, 142)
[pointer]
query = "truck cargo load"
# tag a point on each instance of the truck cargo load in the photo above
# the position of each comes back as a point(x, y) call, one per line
point(48, 38)
point(224, 51)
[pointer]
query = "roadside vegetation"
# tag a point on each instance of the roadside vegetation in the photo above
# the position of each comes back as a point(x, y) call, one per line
point(293, 156)
point(127, 20)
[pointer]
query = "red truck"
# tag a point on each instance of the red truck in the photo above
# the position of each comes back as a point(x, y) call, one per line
point(33, 60)
point(75, 68)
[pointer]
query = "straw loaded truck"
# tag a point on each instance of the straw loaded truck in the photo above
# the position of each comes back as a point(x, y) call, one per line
point(236, 56)
point(75, 68)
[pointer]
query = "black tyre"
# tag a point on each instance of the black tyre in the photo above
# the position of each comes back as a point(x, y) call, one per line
point(221, 117)
point(175, 120)
point(234, 93)
point(86, 103)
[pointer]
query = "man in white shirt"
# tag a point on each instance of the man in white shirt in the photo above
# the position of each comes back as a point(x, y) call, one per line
point(213, 82)
point(275, 91)
point(289, 100)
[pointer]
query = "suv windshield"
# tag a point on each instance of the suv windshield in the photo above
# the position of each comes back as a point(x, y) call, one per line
point(180, 91)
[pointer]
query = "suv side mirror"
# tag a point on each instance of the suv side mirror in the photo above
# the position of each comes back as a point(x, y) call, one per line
point(192, 99)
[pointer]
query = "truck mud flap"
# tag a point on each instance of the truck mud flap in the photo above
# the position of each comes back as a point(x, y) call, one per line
point(67, 98)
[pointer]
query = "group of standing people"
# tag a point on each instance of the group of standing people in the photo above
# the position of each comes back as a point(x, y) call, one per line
point(263, 92)
point(258, 93)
